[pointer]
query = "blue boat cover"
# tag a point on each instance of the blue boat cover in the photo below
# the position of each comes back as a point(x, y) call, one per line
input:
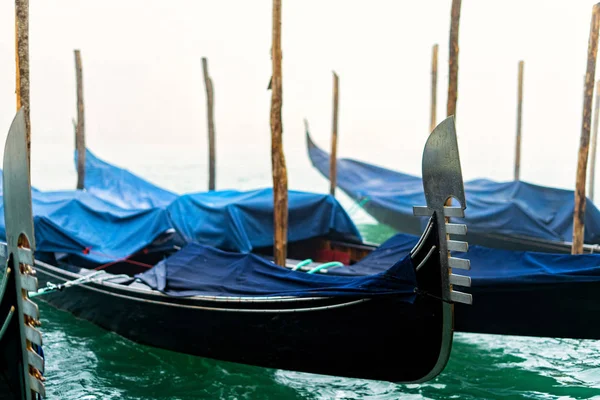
point(227, 219)
point(203, 270)
point(507, 208)
point(79, 223)
point(492, 268)
point(120, 214)
point(242, 221)
point(121, 187)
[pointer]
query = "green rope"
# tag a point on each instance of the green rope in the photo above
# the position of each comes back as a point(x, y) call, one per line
point(329, 265)
point(358, 205)
point(302, 264)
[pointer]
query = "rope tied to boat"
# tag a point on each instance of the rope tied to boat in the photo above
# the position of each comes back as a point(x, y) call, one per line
point(91, 278)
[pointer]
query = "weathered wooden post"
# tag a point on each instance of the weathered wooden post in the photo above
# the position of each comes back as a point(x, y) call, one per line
point(579, 212)
point(80, 131)
point(434, 65)
point(592, 180)
point(334, 133)
point(280, 186)
point(22, 63)
point(453, 59)
point(519, 119)
point(208, 84)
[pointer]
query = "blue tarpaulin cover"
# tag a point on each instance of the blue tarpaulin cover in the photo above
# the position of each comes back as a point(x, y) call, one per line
point(203, 270)
point(492, 268)
point(227, 219)
point(120, 214)
point(242, 221)
point(121, 187)
point(80, 223)
point(506, 208)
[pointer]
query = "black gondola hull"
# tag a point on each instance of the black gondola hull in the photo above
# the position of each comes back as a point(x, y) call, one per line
point(545, 310)
point(344, 337)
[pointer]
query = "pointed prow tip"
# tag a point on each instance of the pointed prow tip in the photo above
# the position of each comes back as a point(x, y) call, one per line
point(442, 173)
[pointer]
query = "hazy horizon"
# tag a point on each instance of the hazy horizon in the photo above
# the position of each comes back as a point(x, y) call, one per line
point(145, 100)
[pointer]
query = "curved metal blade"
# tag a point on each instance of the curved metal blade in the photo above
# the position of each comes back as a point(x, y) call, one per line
point(21, 244)
point(16, 185)
point(442, 180)
point(442, 175)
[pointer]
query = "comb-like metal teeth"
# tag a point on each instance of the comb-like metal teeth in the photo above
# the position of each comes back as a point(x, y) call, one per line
point(456, 229)
point(35, 360)
point(459, 263)
point(460, 297)
point(29, 283)
point(454, 212)
point(33, 335)
point(25, 256)
point(422, 211)
point(36, 385)
point(460, 280)
point(31, 309)
point(457, 245)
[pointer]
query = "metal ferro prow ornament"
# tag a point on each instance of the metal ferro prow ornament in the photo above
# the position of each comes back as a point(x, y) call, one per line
point(442, 181)
point(27, 366)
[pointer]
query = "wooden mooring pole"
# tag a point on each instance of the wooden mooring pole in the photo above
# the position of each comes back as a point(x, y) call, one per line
point(579, 212)
point(334, 134)
point(453, 59)
point(592, 181)
point(519, 120)
point(22, 64)
point(434, 67)
point(208, 84)
point(80, 130)
point(280, 186)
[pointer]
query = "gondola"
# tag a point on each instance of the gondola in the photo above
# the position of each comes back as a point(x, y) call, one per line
point(21, 355)
point(515, 215)
point(395, 326)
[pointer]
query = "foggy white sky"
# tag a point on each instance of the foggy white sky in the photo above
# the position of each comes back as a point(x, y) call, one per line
point(143, 83)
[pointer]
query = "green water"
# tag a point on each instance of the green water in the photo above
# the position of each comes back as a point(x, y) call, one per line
point(86, 362)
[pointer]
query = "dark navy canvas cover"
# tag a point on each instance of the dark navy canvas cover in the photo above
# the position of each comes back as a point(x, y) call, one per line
point(203, 270)
point(242, 221)
point(492, 268)
point(506, 208)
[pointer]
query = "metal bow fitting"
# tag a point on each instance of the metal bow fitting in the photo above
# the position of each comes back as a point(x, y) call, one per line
point(442, 182)
point(18, 256)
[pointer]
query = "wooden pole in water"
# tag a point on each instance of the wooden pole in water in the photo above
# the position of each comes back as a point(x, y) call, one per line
point(453, 59)
point(434, 66)
point(80, 131)
point(280, 187)
point(579, 213)
point(22, 64)
point(211, 125)
point(334, 134)
point(519, 119)
point(594, 143)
